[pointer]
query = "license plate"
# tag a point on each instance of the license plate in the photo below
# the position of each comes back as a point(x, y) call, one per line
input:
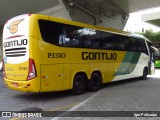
point(15, 84)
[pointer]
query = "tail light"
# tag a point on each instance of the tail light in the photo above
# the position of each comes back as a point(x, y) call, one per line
point(32, 70)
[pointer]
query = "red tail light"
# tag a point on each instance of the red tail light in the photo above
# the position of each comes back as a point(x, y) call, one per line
point(32, 70)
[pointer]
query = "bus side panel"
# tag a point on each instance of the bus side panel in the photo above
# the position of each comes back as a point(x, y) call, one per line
point(67, 77)
point(141, 64)
point(51, 77)
point(127, 67)
point(35, 47)
point(35, 53)
point(107, 70)
point(110, 69)
point(34, 27)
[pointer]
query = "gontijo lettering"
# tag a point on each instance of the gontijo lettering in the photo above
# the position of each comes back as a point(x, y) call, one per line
point(98, 56)
point(15, 43)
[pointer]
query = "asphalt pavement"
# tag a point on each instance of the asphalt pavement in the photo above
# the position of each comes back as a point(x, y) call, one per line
point(127, 98)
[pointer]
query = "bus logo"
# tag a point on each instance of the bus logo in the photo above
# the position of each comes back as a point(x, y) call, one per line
point(14, 26)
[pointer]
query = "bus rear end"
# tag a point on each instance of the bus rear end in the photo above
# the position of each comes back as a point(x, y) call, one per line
point(19, 68)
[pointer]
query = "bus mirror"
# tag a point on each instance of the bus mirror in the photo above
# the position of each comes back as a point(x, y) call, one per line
point(156, 51)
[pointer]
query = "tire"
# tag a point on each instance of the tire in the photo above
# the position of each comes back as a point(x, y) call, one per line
point(79, 84)
point(145, 73)
point(95, 83)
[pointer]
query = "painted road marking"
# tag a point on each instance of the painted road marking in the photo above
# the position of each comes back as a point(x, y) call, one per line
point(64, 107)
point(74, 108)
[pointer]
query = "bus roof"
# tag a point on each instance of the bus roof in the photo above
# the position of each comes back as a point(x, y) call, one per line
point(139, 36)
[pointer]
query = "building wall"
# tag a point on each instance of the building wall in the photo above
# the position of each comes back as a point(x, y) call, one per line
point(107, 13)
point(58, 11)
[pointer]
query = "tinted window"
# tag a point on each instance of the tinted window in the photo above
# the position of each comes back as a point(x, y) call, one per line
point(91, 38)
point(125, 42)
point(71, 36)
point(50, 31)
point(134, 44)
point(142, 46)
point(60, 34)
point(111, 41)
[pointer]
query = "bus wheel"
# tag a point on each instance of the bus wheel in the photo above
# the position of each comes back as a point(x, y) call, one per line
point(95, 83)
point(145, 73)
point(79, 84)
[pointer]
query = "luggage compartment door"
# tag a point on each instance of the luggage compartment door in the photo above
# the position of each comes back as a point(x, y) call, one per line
point(51, 77)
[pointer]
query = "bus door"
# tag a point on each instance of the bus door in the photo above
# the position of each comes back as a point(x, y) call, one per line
point(151, 61)
point(156, 56)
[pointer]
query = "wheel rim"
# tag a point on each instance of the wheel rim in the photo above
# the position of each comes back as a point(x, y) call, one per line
point(79, 84)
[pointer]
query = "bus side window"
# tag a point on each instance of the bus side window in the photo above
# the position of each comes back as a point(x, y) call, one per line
point(134, 45)
point(97, 40)
point(50, 31)
point(61, 39)
point(142, 46)
point(128, 44)
point(91, 38)
point(107, 41)
point(112, 41)
point(72, 36)
point(87, 44)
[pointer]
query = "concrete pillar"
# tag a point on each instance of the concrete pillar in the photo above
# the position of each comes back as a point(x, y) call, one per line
point(87, 11)
point(107, 13)
point(57, 11)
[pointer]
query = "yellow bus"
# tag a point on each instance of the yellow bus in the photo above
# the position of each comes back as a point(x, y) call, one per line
point(43, 53)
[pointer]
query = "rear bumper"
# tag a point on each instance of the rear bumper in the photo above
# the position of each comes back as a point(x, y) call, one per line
point(24, 86)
